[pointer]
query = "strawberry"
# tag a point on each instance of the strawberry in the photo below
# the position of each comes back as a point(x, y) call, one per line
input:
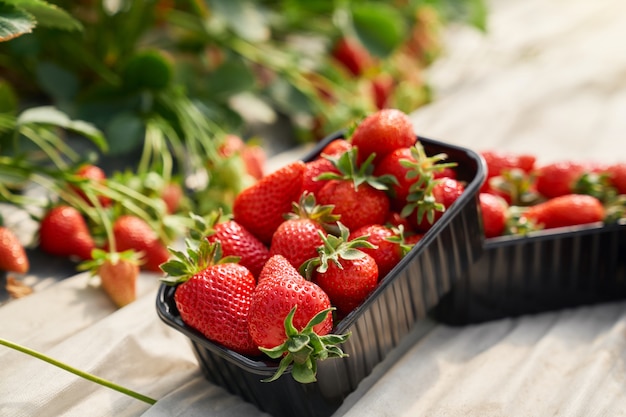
point(336, 147)
point(558, 178)
point(64, 232)
point(494, 212)
point(132, 232)
point(381, 133)
point(172, 194)
point(285, 311)
point(358, 196)
point(347, 274)
point(237, 241)
point(12, 254)
point(352, 55)
point(388, 252)
point(260, 207)
point(93, 173)
point(430, 208)
point(118, 274)
point(310, 181)
point(566, 210)
point(254, 160)
point(213, 294)
point(617, 176)
point(298, 237)
point(498, 162)
point(382, 87)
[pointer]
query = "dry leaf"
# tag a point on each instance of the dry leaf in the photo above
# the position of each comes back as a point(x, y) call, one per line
point(16, 288)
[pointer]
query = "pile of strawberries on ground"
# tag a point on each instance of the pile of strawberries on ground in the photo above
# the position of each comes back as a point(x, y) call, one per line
point(311, 237)
point(521, 196)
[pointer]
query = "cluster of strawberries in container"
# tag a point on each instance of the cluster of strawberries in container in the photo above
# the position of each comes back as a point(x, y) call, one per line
point(308, 243)
point(522, 196)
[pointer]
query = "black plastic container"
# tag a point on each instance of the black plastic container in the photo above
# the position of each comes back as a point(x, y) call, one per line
point(398, 306)
point(545, 271)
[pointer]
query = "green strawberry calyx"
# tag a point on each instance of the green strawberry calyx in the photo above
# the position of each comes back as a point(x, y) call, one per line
point(423, 167)
point(349, 170)
point(199, 254)
point(303, 349)
point(307, 208)
point(335, 248)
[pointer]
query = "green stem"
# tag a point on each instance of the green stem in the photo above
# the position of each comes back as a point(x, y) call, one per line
point(78, 372)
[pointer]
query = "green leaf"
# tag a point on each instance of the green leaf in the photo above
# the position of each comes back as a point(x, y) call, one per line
point(244, 17)
point(48, 115)
point(14, 22)
point(125, 133)
point(379, 26)
point(49, 15)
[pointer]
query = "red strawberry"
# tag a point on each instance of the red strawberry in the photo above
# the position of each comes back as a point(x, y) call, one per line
point(237, 241)
point(393, 164)
point(336, 147)
point(314, 168)
point(92, 173)
point(260, 207)
point(352, 55)
point(445, 192)
point(382, 88)
point(558, 178)
point(64, 232)
point(213, 295)
point(566, 210)
point(12, 254)
point(381, 133)
point(172, 194)
point(298, 237)
point(358, 196)
point(118, 274)
point(254, 159)
point(284, 307)
point(494, 212)
point(617, 176)
point(347, 274)
point(387, 253)
point(498, 162)
point(132, 232)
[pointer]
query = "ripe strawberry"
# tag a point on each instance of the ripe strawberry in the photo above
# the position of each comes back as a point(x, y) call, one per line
point(13, 257)
point(254, 159)
point(566, 210)
point(260, 207)
point(558, 178)
point(358, 196)
point(352, 55)
point(315, 168)
point(298, 237)
point(284, 307)
point(213, 295)
point(426, 212)
point(347, 274)
point(118, 274)
point(381, 133)
point(498, 162)
point(132, 232)
point(387, 252)
point(172, 194)
point(92, 173)
point(336, 147)
point(393, 164)
point(617, 176)
point(382, 87)
point(64, 232)
point(237, 241)
point(494, 212)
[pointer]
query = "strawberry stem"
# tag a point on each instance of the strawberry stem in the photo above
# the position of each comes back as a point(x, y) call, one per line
point(75, 371)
